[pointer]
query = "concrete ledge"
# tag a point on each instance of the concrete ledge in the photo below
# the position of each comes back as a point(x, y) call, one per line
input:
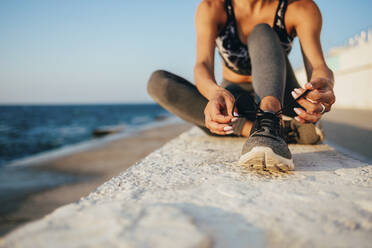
point(191, 193)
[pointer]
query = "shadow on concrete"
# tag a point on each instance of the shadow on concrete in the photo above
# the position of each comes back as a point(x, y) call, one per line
point(324, 161)
point(224, 227)
point(357, 140)
point(19, 183)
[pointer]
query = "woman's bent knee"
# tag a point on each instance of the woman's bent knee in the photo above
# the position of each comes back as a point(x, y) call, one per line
point(261, 27)
point(157, 84)
point(260, 30)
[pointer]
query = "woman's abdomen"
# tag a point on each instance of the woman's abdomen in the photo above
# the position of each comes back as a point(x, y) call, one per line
point(234, 77)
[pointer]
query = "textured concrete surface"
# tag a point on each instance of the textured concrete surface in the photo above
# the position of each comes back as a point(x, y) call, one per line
point(350, 130)
point(191, 193)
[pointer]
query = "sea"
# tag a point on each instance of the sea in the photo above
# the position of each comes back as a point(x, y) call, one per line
point(33, 133)
point(26, 130)
point(30, 134)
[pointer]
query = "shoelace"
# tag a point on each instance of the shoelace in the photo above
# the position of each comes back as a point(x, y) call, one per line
point(268, 120)
point(257, 110)
point(264, 119)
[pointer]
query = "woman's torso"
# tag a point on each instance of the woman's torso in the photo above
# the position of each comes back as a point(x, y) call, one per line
point(235, 28)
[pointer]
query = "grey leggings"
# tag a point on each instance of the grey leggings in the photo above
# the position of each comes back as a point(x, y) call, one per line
point(272, 75)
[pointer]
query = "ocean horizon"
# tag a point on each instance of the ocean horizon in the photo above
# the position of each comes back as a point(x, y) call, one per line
point(30, 129)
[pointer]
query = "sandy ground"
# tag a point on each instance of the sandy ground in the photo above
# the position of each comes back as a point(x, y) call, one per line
point(350, 129)
point(100, 163)
point(191, 192)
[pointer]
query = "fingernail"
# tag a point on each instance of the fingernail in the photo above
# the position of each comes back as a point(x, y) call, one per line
point(297, 110)
point(230, 132)
point(234, 119)
point(236, 114)
point(298, 91)
point(297, 118)
point(294, 94)
point(227, 128)
point(312, 101)
point(309, 85)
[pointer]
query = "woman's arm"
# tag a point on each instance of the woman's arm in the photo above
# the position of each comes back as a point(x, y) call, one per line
point(308, 25)
point(206, 32)
point(218, 110)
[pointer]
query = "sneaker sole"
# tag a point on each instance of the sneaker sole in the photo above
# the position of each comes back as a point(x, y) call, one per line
point(264, 158)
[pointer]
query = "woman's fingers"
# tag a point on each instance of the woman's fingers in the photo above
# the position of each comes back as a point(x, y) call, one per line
point(299, 119)
point(217, 128)
point(321, 96)
point(217, 115)
point(312, 101)
point(229, 101)
point(321, 90)
point(307, 117)
point(221, 129)
point(312, 96)
point(311, 107)
point(318, 83)
point(308, 105)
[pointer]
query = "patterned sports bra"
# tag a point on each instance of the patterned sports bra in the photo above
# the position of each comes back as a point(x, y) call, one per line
point(234, 53)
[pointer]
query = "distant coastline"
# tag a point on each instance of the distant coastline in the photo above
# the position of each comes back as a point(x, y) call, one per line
point(87, 144)
point(35, 186)
point(29, 130)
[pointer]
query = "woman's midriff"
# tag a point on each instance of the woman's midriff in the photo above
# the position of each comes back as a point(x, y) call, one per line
point(234, 77)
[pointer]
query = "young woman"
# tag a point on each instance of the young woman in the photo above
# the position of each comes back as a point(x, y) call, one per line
point(253, 38)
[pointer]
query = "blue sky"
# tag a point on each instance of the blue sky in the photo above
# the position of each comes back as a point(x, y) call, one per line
point(95, 51)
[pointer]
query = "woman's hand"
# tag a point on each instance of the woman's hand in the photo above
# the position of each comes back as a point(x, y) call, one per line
point(318, 101)
point(218, 114)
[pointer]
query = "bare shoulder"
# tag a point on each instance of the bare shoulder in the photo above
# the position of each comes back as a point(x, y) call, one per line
point(210, 9)
point(300, 11)
point(302, 5)
point(211, 4)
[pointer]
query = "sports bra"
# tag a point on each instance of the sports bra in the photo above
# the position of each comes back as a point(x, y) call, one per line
point(234, 53)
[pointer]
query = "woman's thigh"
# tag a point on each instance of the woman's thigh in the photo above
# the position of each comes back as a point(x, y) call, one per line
point(178, 96)
point(182, 98)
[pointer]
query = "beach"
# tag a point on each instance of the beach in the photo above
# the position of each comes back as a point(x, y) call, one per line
point(91, 168)
point(347, 130)
point(193, 193)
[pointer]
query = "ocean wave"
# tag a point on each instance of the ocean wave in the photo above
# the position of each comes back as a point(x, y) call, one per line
point(141, 119)
point(29, 130)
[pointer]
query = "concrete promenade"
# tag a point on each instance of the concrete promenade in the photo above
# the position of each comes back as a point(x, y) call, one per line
point(191, 193)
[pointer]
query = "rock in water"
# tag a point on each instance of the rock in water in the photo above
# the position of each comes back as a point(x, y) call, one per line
point(102, 131)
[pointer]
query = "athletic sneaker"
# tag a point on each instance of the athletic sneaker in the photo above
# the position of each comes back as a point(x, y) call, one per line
point(295, 132)
point(266, 148)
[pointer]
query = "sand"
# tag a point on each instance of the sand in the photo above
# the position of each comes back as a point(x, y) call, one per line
point(192, 192)
point(98, 165)
point(108, 161)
